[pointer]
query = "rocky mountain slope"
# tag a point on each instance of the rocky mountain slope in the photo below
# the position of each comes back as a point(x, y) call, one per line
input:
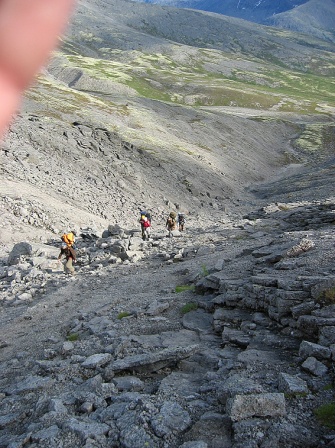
point(310, 17)
point(253, 10)
point(220, 336)
point(313, 18)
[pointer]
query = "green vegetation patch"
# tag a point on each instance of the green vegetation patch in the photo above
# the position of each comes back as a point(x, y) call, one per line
point(123, 314)
point(204, 270)
point(327, 297)
point(183, 288)
point(213, 78)
point(326, 414)
point(293, 395)
point(189, 307)
point(72, 337)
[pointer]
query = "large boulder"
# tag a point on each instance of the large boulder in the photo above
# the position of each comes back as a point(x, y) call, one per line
point(18, 251)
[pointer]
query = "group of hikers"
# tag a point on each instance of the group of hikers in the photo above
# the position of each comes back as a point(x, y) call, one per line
point(174, 222)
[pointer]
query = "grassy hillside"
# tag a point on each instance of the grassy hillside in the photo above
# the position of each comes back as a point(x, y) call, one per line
point(203, 77)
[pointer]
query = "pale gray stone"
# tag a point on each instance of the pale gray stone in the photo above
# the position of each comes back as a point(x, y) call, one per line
point(308, 349)
point(237, 384)
point(8, 419)
point(57, 405)
point(315, 367)
point(171, 418)
point(46, 435)
point(97, 360)
point(30, 384)
point(85, 428)
point(157, 307)
point(241, 407)
point(291, 384)
point(128, 383)
point(153, 361)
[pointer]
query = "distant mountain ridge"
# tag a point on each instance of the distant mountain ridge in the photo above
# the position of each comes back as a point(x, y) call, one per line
point(306, 16)
point(313, 17)
point(254, 10)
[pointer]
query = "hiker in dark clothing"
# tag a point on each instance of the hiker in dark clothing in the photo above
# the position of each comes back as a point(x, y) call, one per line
point(70, 256)
point(181, 222)
point(171, 223)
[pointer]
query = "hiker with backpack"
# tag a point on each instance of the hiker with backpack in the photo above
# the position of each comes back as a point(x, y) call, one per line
point(181, 222)
point(68, 250)
point(69, 238)
point(171, 223)
point(145, 222)
point(70, 256)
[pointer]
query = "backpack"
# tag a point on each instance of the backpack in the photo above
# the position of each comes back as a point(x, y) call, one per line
point(181, 218)
point(68, 239)
point(146, 214)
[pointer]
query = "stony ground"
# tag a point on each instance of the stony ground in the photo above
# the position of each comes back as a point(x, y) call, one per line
point(74, 373)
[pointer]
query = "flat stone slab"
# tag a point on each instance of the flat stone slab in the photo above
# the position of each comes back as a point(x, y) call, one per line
point(198, 320)
point(153, 361)
point(256, 405)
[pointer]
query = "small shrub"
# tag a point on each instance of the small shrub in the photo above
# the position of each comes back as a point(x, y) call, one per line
point(327, 297)
point(291, 395)
point(182, 288)
point(73, 337)
point(326, 414)
point(204, 270)
point(123, 314)
point(189, 307)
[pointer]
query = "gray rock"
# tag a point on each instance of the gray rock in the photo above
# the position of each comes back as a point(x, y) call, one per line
point(291, 384)
point(97, 360)
point(213, 429)
point(153, 361)
point(6, 420)
point(198, 320)
point(181, 384)
point(46, 435)
point(135, 436)
point(237, 337)
point(235, 385)
point(19, 250)
point(206, 249)
point(254, 356)
point(327, 335)
point(194, 444)
point(319, 352)
point(157, 307)
point(128, 383)
point(172, 418)
point(57, 405)
point(30, 384)
point(241, 407)
point(315, 367)
point(85, 428)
